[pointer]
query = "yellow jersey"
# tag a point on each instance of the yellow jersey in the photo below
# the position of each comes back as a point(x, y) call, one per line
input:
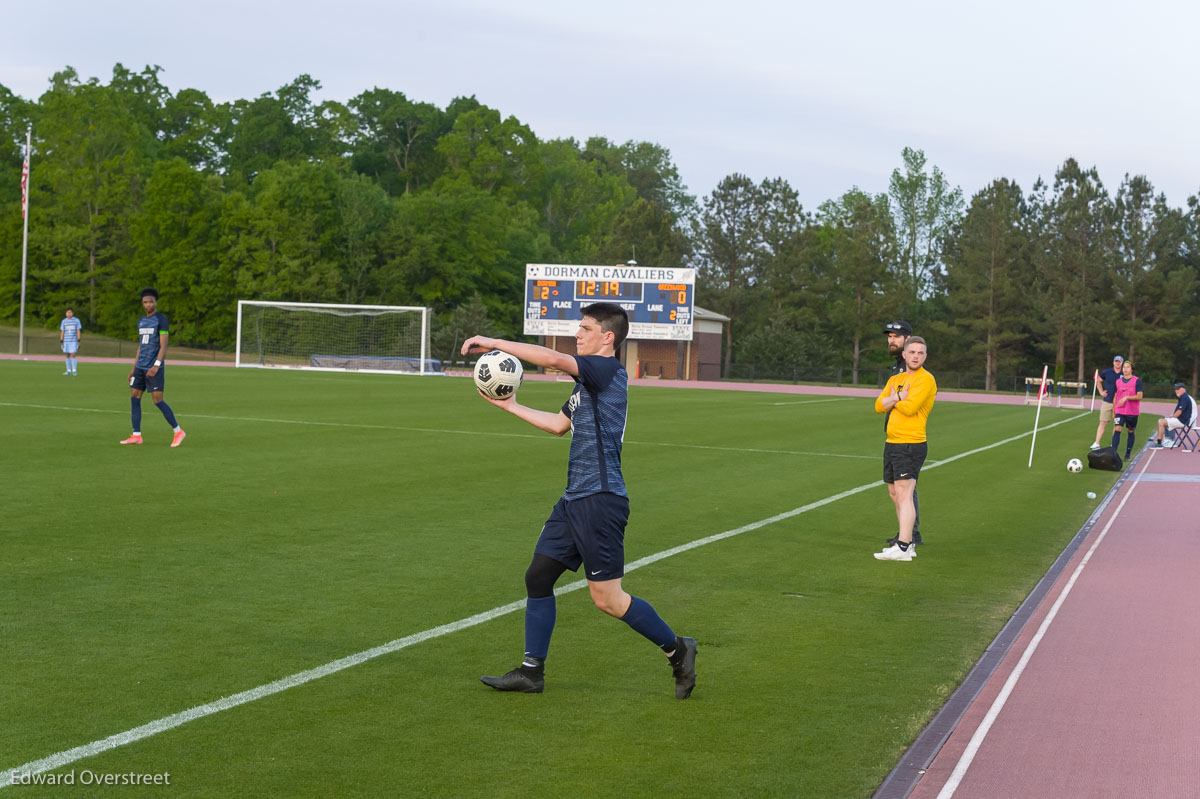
point(906, 424)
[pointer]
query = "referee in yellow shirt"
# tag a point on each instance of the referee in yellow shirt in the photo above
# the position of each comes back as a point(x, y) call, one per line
point(909, 396)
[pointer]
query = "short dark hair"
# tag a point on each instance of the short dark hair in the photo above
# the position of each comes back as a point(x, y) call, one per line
point(612, 317)
point(149, 292)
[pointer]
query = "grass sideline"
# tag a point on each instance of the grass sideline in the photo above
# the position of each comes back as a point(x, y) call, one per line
point(311, 516)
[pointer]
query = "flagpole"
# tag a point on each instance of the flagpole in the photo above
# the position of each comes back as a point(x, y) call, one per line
point(25, 239)
point(1038, 415)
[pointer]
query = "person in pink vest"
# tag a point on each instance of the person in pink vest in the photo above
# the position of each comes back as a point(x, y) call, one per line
point(1127, 405)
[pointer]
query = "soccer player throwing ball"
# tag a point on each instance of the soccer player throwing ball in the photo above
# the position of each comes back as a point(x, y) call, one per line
point(907, 399)
point(148, 370)
point(587, 526)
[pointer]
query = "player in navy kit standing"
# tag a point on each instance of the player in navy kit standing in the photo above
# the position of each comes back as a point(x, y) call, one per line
point(587, 526)
point(149, 370)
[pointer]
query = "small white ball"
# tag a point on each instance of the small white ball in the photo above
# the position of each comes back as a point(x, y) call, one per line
point(1091, 495)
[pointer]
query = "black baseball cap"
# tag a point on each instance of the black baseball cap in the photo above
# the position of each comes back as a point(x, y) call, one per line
point(899, 326)
point(1180, 385)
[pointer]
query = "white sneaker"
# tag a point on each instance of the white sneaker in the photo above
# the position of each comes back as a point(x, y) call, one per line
point(1094, 446)
point(894, 552)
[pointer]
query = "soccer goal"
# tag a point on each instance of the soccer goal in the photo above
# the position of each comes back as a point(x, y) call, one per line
point(386, 339)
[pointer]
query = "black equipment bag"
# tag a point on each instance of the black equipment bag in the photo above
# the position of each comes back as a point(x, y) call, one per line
point(1105, 458)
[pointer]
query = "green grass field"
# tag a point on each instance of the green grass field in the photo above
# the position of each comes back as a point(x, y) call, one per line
point(313, 516)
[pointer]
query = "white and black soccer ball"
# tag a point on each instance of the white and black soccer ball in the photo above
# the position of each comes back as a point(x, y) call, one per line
point(1075, 466)
point(498, 374)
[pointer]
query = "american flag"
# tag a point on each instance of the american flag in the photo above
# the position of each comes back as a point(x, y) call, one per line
point(25, 186)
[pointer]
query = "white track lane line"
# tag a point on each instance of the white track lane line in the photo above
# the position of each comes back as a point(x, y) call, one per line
point(985, 726)
point(68, 756)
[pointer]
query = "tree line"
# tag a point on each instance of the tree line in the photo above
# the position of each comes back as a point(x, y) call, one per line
point(383, 199)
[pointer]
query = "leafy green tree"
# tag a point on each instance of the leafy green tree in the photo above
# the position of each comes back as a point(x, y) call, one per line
point(1077, 273)
point(988, 277)
point(1147, 237)
point(94, 154)
point(648, 169)
point(925, 207)
point(363, 215)
point(177, 244)
point(396, 140)
point(728, 241)
point(283, 239)
point(861, 249)
point(578, 204)
point(272, 128)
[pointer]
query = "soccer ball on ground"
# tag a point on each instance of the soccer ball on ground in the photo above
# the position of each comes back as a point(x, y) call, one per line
point(498, 374)
point(1075, 465)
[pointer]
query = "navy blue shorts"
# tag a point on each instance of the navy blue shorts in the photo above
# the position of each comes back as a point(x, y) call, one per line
point(142, 383)
point(1128, 422)
point(903, 461)
point(589, 530)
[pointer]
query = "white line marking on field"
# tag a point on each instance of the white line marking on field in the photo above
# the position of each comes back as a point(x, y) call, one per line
point(533, 436)
point(813, 402)
point(166, 723)
point(968, 755)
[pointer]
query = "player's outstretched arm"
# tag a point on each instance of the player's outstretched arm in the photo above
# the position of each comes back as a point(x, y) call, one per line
point(530, 353)
point(556, 423)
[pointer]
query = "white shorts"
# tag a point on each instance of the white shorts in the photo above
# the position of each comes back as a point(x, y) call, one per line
point(1173, 423)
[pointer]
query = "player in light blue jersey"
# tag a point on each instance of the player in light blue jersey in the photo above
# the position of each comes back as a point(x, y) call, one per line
point(150, 370)
point(69, 330)
point(587, 526)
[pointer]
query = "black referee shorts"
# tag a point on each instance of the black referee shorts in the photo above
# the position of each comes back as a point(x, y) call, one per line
point(903, 461)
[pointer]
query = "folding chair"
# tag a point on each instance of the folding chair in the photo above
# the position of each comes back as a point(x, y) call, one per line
point(1188, 435)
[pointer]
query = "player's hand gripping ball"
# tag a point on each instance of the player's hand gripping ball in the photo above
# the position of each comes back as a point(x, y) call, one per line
point(1075, 465)
point(498, 374)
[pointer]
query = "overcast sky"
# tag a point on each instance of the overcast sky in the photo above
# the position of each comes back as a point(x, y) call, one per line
point(823, 95)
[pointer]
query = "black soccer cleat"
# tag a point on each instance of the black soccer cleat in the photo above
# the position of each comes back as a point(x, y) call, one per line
point(683, 666)
point(519, 679)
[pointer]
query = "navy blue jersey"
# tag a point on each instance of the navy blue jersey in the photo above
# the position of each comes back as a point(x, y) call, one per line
point(1108, 384)
point(597, 411)
point(1185, 406)
point(149, 329)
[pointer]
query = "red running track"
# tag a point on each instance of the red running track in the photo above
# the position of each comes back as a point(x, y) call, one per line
point(1098, 695)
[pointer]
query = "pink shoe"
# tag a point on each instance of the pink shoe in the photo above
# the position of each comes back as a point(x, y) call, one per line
point(178, 439)
point(134, 439)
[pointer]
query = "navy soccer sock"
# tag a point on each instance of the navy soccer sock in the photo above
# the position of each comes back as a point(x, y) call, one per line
point(540, 615)
point(1128, 444)
point(167, 413)
point(642, 617)
point(1116, 440)
point(135, 413)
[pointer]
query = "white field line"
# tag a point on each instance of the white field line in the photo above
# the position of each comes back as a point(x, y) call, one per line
point(968, 755)
point(537, 437)
point(813, 402)
point(68, 756)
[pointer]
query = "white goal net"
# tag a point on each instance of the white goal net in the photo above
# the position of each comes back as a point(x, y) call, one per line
point(387, 339)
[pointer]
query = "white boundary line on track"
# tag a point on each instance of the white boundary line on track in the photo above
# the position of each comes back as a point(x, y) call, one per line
point(985, 726)
point(68, 756)
point(541, 437)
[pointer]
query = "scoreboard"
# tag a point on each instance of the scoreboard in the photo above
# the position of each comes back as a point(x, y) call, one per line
point(659, 301)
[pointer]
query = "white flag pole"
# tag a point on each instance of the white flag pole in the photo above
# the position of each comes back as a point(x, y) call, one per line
point(1041, 393)
point(1095, 385)
point(25, 240)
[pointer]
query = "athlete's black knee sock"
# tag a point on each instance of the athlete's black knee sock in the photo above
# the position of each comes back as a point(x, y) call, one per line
point(1128, 444)
point(1116, 439)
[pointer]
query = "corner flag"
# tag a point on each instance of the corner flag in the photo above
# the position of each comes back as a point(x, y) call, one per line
point(25, 185)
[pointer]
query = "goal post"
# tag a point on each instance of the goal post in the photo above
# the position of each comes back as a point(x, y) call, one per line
point(327, 337)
